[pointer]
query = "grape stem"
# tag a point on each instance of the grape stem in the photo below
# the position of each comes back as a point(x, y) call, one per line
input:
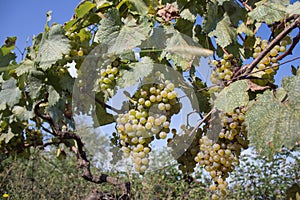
point(78, 150)
point(200, 122)
point(245, 70)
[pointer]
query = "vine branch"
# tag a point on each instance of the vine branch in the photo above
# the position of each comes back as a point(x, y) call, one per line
point(290, 49)
point(245, 70)
point(78, 150)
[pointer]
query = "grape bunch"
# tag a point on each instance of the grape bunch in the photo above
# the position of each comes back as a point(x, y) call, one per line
point(224, 69)
point(220, 158)
point(108, 77)
point(149, 117)
point(269, 64)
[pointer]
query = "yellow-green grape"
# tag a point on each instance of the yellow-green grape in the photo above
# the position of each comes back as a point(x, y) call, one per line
point(149, 117)
point(219, 158)
point(108, 77)
point(223, 69)
point(80, 52)
point(269, 64)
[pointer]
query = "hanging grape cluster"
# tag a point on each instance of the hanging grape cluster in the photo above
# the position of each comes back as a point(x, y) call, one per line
point(108, 77)
point(269, 64)
point(149, 117)
point(224, 69)
point(220, 157)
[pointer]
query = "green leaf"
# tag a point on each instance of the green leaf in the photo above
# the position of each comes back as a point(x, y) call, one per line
point(140, 6)
point(10, 94)
point(212, 17)
point(25, 67)
point(272, 125)
point(6, 56)
point(188, 15)
point(293, 8)
point(179, 42)
point(84, 8)
point(235, 12)
point(101, 117)
point(244, 29)
point(34, 87)
point(22, 113)
point(53, 96)
point(53, 45)
point(233, 96)
point(224, 33)
point(292, 87)
point(121, 35)
point(267, 12)
point(138, 70)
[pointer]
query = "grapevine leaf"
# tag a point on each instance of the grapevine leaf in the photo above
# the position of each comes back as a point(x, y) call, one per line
point(84, 8)
point(34, 87)
point(25, 67)
point(234, 11)
point(22, 113)
point(137, 70)
point(267, 120)
point(185, 27)
point(53, 96)
point(54, 44)
point(157, 40)
point(101, 117)
point(235, 95)
point(294, 8)
point(244, 29)
point(179, 42)
point(187, 15)
point(267, 12)
point(140, 6)
point(121, 35)
point(6, 56)
point(224, 33)
point(292, 87)
point(10, 93)
point(281, 94)
point(212, 17)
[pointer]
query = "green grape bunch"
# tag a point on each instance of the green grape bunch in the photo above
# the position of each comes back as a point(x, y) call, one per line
point(220, 158)
point(108, 77)
point(224, 69)
point(149, 117)
point(268, 66)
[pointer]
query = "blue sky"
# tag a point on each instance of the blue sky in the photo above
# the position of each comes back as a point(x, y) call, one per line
point(25, 18)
